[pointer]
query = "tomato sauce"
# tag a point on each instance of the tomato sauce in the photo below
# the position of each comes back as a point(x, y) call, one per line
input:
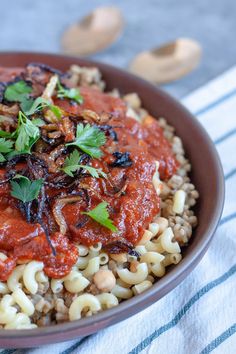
point(129, 191)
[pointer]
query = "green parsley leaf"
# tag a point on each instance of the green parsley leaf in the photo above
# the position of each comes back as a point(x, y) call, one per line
point(36, 105)
point(27, 134)
point(89, 139)
point(4, 134)
point(26, 104)
point(38, 122)
point(17, 92)
point(73, 93)
point(56, 110)
point(14, 153)
point(2, 158)
point(101, 215)
point(73, 158)
point(5, 147)
point(72, 164)
point(94, 172)
point(25, 190)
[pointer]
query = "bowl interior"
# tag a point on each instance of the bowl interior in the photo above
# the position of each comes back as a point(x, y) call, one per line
point(201, 153)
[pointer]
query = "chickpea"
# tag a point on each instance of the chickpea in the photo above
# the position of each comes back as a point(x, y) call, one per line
point(104, 280)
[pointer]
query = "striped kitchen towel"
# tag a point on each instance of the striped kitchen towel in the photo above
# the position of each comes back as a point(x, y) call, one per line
point(199, 316)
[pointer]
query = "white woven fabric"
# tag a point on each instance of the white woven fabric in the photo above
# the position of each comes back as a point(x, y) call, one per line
point(199, 316)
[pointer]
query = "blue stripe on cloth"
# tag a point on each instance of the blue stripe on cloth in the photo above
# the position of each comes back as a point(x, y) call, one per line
point(219, 340)
point(215, 103)
point(227, 218)
point(74, 346)
point(230, 174)
point(204, 290)
point(225, 136)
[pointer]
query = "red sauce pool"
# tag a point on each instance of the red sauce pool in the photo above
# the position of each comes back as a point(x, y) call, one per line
point(131, 210)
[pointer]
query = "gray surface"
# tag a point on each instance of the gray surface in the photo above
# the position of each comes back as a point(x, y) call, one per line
point(38, 25)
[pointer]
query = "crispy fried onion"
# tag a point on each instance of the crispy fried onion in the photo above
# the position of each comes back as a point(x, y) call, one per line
point(120, 246)
point(92, 116)
point(50, 158)
point(50, 88)
point(67, 128)
point(57, 210)
point(7, 123)
point(9, 110)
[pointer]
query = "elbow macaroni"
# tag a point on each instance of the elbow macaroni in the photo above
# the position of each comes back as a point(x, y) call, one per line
point(7, 311)
point(179, 201)
point(154, 246)
point(166, 241)
point(134, 278)
point(29, 276)
point(152, 258)
point(4, 288)
point(122, 292)
point(75, 282)
point(107, 300)
point(82, 302)
point(140, 288)
point(147, 236)
point(21, 321)
point(22, 300)
point(13, 282)
point(92, 267)
point(3, 257)
point(41, 277)
point(56, 285)
point(156, 180)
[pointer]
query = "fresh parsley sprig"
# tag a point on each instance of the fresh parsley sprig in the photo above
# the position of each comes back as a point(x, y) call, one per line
point(6, 146)
point(38, 122)
point(72, 165)
point(72, 93)
point(39, 103)
point(23, 138)
point(100, 214)
point(89, 139)
point(17, 92)
point(25, 189)
point(56, 111)
point(26, 133)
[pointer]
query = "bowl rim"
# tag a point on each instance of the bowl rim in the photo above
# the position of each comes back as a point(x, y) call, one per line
point(138, 303)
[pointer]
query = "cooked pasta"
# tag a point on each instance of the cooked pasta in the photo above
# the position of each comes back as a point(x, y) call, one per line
point(82, 302)
point(111, 214)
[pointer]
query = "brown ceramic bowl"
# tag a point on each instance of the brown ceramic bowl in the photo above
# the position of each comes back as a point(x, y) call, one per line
point(202, 155)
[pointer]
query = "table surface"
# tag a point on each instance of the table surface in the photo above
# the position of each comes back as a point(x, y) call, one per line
point(38, 25)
